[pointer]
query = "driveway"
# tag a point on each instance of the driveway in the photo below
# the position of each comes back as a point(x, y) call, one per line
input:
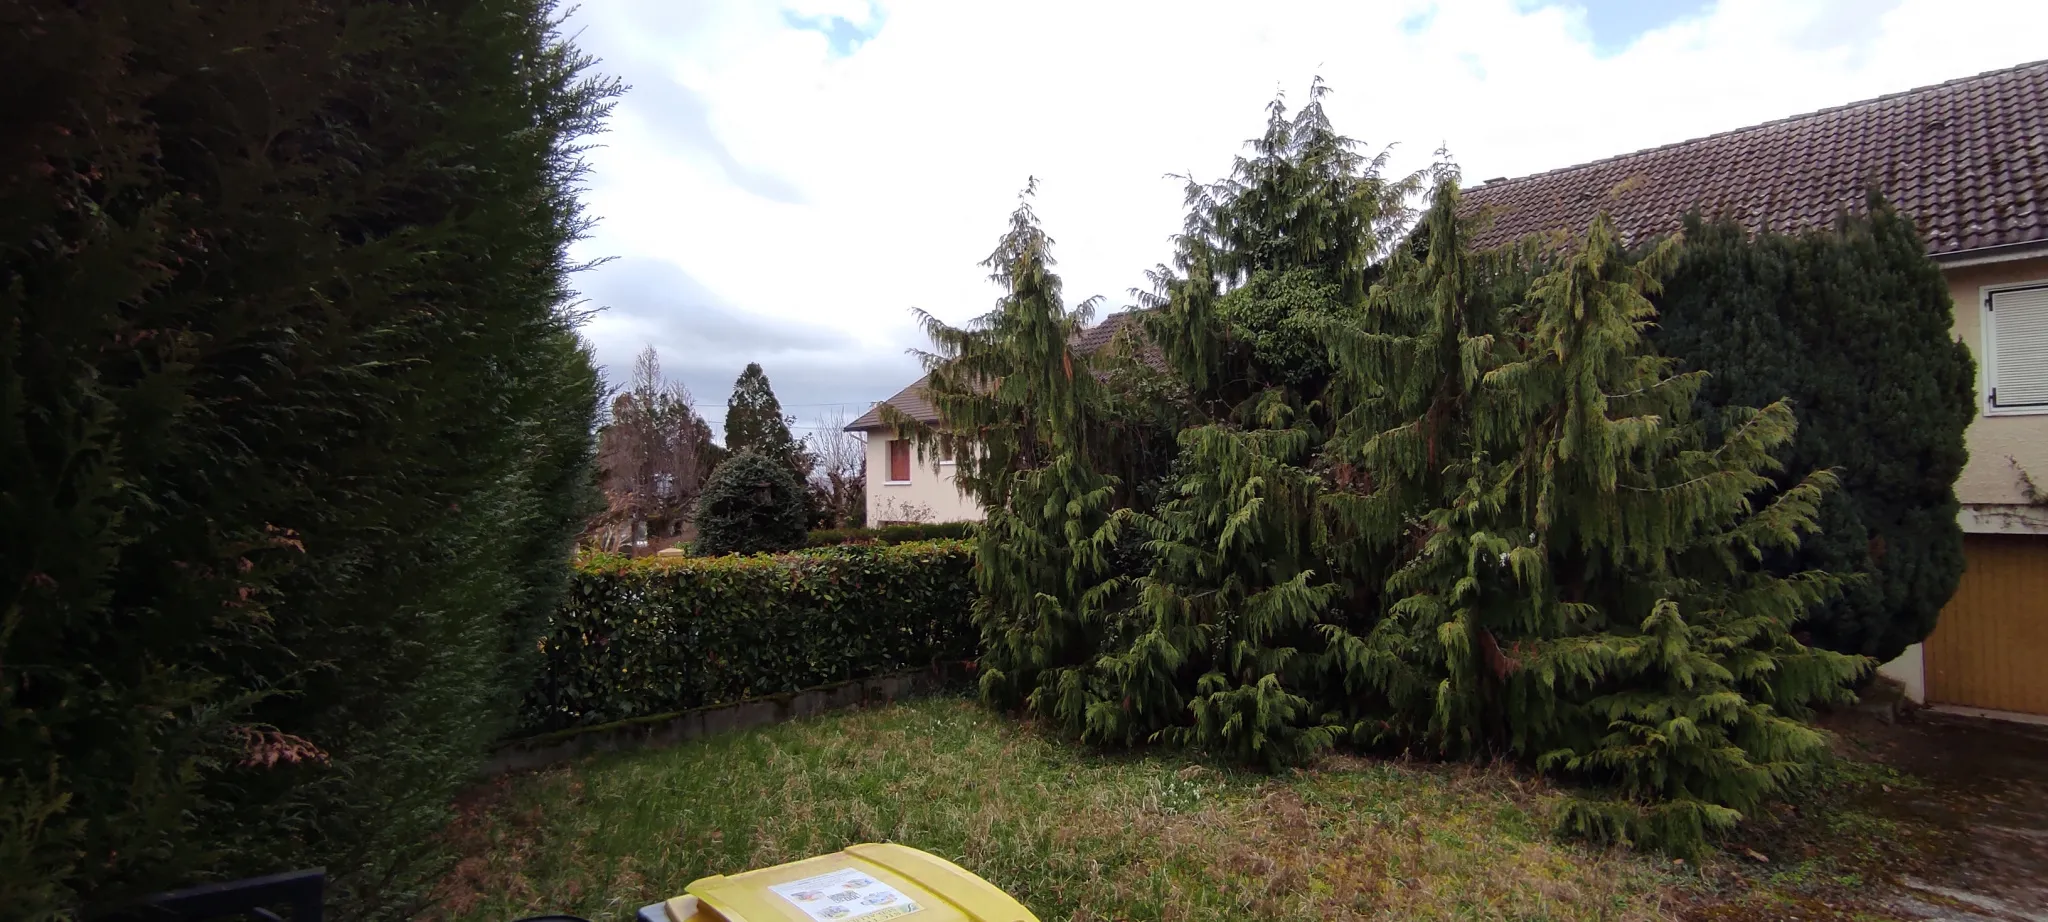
point(1986, 784)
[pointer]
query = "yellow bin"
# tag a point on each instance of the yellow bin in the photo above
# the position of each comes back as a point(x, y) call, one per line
point(864, 883)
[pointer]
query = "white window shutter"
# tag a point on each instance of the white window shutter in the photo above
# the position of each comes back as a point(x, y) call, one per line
point(2019, 348)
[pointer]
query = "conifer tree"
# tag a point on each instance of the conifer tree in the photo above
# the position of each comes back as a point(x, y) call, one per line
point(754, 422)
point(1233, 599)
point(1851, 325)
point(1225, 640)
point(1579, 582)
point(1289, 237)
point(1405, 409)
point(1022, 412)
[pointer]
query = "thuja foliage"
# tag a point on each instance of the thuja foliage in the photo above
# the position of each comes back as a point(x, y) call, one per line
point(1426, 498)
point(1852, 325)
point(294, 431)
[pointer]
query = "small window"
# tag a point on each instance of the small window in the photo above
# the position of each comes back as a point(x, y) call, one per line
point(899, 460)
point(2016, 350)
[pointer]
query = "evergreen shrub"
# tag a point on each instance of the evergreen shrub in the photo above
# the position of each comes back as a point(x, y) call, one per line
point(751, 504)
point(1852, 326)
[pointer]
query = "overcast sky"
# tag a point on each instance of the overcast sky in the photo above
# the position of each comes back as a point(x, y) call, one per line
point(786, 179)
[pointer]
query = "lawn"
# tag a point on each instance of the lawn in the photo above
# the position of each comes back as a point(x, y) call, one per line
point(1076, 835)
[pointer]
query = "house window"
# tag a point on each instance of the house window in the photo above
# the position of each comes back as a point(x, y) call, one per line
point(899, 460)
point(2016, 350)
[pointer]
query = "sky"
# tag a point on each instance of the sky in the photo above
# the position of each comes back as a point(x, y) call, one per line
point(785, 180)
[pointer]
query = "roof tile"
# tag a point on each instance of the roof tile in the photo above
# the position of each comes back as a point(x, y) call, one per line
point(1967, 160)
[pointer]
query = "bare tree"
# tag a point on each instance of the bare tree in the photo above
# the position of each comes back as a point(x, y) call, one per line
point(839, 475)
point(652, 455)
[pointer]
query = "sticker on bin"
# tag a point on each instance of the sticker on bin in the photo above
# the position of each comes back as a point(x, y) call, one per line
point(846, 895)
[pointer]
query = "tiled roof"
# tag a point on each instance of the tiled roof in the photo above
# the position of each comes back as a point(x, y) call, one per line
point(1099, 335)
point(1967, 160)
point(912, 401)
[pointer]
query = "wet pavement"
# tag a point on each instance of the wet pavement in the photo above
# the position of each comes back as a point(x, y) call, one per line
point(1986, 784)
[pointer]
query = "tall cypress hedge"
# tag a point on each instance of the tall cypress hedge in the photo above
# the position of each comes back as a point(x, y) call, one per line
point(294, 430)
point(1852, 325)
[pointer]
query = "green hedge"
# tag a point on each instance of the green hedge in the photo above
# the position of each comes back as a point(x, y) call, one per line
point(890, 534)
point(294, 432)
point(657, 635)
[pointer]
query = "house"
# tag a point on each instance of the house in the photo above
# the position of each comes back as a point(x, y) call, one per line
point(900, 489)
point(904, 488)
point(1967, 161)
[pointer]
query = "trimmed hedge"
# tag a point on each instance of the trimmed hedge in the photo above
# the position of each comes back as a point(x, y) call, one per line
point(656, 635)
point(890, 534)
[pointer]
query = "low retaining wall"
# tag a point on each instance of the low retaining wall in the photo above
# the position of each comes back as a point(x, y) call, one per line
point(669, 729)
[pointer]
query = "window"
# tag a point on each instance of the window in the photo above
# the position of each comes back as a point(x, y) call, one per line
point(2016, 350)
point(899, 460)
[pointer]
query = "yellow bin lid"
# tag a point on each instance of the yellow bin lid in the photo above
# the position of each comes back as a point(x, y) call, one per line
point(864, 883)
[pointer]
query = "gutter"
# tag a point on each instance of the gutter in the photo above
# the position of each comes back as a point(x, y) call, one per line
point(1998, 254)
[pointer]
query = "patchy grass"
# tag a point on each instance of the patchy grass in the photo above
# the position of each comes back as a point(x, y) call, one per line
point(1082, 836)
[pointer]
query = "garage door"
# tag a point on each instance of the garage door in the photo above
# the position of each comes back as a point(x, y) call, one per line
point(1990, 649)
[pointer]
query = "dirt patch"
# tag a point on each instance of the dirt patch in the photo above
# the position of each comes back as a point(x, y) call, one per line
point(496, 842)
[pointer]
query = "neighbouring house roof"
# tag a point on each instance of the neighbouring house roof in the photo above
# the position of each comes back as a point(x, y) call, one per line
point(1099, 335)
point(914, 403)
point(910, 401)
point(1966, 160)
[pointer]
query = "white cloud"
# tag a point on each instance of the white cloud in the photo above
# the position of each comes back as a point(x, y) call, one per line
point(828, 193)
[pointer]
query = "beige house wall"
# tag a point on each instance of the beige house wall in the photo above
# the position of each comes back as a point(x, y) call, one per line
point(1910, 671)
point(929, 496)
point(2000, 446)
point(1996, 443)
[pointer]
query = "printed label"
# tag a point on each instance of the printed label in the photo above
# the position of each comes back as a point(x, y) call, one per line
point(845, 895)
